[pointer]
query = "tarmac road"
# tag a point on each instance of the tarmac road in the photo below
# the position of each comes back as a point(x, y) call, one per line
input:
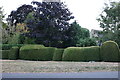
point(113, 74)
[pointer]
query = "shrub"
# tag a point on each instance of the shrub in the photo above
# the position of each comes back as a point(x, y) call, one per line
point(9, 46)
point(92, 53)
point(58, 55)
point(14, 53)
point(110, 51)
point(4, 54)
point(73, 54)
point(81, 54)
point(35, 53)
point(31, 46)
point(86, 42)
point(15, 38)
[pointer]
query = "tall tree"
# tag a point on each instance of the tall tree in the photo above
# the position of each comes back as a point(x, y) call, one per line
point(19, 15)
point(48, 23)
point(110, 22)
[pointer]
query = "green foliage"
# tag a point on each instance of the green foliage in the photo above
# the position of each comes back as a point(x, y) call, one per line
point(4, 54)
point(1, 14)
point(78, 36)
point(86, 42)
point(14, 53)
point(36, 53)
point(73, 54)
point(9, 46)
point(58, 55)
point(15, 39)
point(92, 53)
point(109, 21)
point(110, 51)
point(31, 46)
point(81, 54)
point(28, 40)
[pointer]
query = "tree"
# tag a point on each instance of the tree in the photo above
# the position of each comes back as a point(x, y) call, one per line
point(74, 33)
point(3, 32)
point(79, 36)
point(110, 22)
point(48, 23)
point(19, 15)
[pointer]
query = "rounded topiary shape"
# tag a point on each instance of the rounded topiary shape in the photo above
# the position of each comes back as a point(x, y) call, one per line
point(36, 52)
point(73, 54)
point(110, 51)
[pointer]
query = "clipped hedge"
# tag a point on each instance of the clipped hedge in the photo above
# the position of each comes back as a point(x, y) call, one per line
point(110, 51)
point(31, 46)
point(58, 55)
point(36, 53)
point(92, 53)
point(9, 46)
point(4, 54)
point(81, 54)
point(14, 53)
point(73, 54)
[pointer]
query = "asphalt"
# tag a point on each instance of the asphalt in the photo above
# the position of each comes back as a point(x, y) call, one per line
point(113, 74)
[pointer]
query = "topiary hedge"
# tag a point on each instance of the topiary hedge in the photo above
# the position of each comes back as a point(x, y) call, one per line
point(73, 54)
point(110, 51)
point(9, 46)
point(92, 53)
point(4, 54)
point(58, 55)
point(81, 54)
point(36, 53)
point(31, 46)
point(14, 53)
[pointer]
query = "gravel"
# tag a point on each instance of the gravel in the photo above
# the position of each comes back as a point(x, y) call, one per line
point(24, 66)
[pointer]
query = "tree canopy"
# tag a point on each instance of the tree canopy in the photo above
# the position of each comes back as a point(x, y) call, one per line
point(110, 22)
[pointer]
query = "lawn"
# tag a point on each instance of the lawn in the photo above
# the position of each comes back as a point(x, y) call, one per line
point(22, 66)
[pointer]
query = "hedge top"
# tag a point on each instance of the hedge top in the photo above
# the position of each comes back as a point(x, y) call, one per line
point(29, 46)
point(110, 42)
point(110, 51)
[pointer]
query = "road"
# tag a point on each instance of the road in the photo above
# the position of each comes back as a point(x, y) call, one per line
point(62, 75)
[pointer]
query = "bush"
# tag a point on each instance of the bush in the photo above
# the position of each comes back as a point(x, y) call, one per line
point(37, 53)
point(81, 54)
point(92, 53)
point(28, 40)
point(73, 54)
point(58, 55)
point(4, 54)
point(14, 53)
point(110, 51)
point(9, 46)
point(86, 42)
point(31, 46)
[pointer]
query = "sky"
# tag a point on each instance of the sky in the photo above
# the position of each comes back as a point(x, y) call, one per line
point(85, 11)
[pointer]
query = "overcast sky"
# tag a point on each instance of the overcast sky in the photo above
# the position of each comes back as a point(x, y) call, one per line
point(85, 11)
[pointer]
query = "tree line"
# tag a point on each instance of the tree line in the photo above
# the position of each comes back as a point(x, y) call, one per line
point(47, 23)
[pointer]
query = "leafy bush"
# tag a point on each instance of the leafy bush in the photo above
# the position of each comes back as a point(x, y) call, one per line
point(9, 46)
point(92, 53)
point(58, 55)
point(110, 51)
point(4, 54)
point(37, 53)
point(15, 39)
point(86, 42)
point(14, 53)
point(31, 46)
point(73, 54)
point(81, 54)
point(28, 40)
